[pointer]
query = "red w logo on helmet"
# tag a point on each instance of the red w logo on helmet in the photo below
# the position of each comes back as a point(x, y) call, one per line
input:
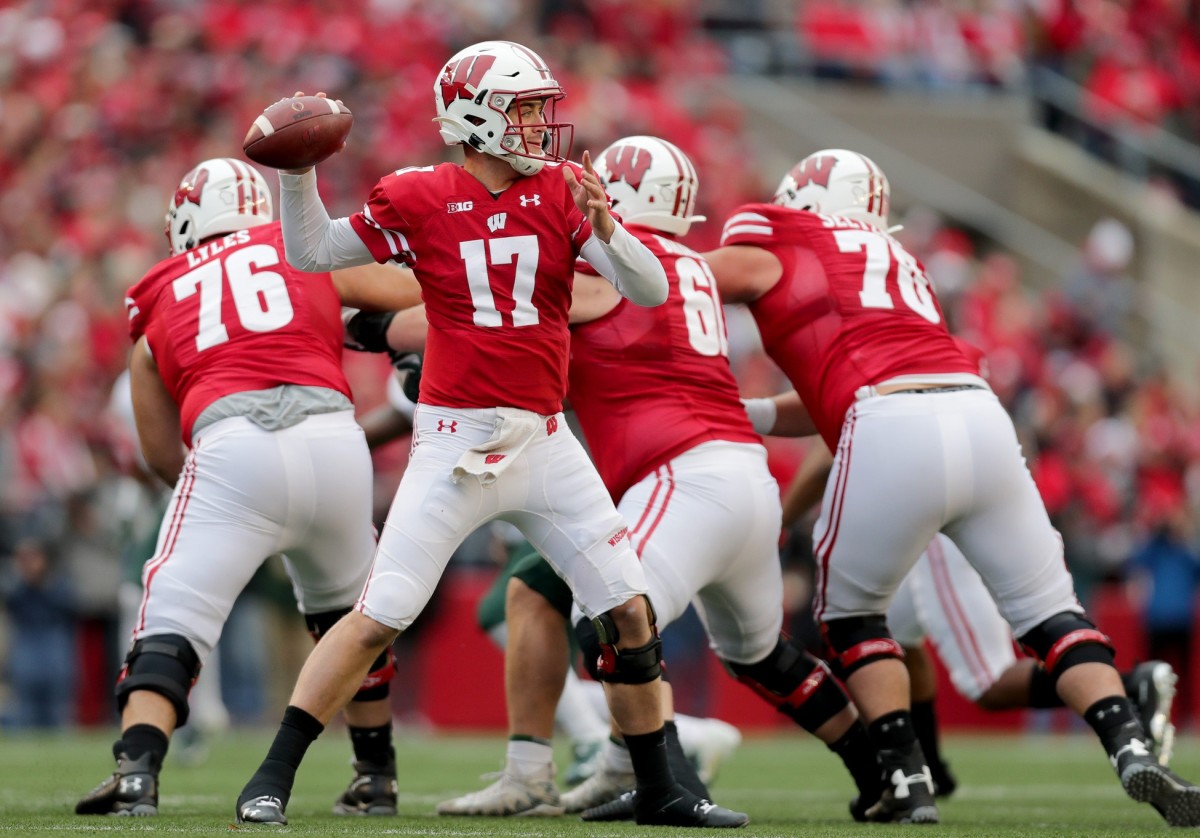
point(810, 170)
point(628, 163)
point(191, 187)
point(461, 79)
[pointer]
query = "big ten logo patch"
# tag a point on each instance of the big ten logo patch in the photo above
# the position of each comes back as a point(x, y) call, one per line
point(459, 206)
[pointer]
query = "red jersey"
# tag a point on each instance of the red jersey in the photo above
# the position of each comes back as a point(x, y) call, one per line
point(496, 274)
point(648, 384)
point(231, 316)
point(852, 308)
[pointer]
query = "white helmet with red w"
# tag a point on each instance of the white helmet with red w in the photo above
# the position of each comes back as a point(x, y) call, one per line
point(838, 182)
point(218, 196)
point(477, 88)
point(650, 182)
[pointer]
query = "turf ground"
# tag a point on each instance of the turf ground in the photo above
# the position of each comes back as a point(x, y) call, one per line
point(790, 785)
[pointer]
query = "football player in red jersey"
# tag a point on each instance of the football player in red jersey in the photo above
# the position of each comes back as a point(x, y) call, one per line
point(676, 450)
point(277, 463)
point(493, 243)
point(921, 446)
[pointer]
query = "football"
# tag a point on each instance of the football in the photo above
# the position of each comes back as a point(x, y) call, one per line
point(297, 132)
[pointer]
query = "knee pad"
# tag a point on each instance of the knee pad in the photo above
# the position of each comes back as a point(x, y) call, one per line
point(162, 663)
point(375, 685)
point(626, 666)
point(795, 683)
point(1065, 640)
point(855, 642)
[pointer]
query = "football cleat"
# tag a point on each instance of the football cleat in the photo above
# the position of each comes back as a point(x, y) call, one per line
point(1146, 781)
point(371, 792)
point(679, 807)
point(605, 785)
point(510, 795)
point(908, 794)
point(131, 790)
point(1151, 687)
point(264, 809)
point(585, 759)
point(621, 809)
point(718, 743)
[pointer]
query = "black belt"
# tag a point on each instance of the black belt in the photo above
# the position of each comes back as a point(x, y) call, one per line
point(954, 388)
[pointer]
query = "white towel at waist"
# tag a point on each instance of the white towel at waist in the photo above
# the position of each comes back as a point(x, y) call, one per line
point(515, 429)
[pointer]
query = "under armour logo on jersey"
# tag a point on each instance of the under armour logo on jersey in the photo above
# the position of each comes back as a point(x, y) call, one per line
point(536, 200)
point(131, 785)
point(450, 427)
point(459, 206)
point(497, 221)
point(551, 425)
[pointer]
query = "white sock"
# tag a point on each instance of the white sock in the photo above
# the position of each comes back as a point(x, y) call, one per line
point(575, 715)
point(617, 758)
point(529, 759)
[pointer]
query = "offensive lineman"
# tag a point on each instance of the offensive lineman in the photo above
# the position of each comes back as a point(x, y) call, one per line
point(493, 244)
point(277, 463)
point(921, 446)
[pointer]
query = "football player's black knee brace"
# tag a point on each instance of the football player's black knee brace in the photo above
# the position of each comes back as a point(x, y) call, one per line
point(1067, 639)
point(795, 683)
point(855, 642)
point(605, 662)
point(162, 663)
point(376, 685)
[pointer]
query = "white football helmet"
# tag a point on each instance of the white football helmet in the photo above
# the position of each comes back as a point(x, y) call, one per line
point(218, 196)
point(475, 91)
point(838, 182)
point(650, 182)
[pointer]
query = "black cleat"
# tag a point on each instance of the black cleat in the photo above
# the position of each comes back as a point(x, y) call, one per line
point(371, 792)
point(679, 807)
point(264, 809)
point(131, 790)
point(621, 809)
point(1151, 688)
point(908, 794)
point(1146, 781)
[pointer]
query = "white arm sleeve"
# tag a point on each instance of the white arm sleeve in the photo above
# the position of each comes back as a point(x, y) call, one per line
point(630, 266)
point(311, 239)
point(762, 413)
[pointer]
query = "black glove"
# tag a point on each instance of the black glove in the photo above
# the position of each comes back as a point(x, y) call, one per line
point(409, 363)
point(366, 331)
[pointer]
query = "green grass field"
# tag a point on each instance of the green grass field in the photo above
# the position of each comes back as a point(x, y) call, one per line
point(790, 785)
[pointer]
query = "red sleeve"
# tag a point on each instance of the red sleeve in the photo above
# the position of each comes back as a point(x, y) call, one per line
point(746, 226)
point(381, 226)
point(137, 309)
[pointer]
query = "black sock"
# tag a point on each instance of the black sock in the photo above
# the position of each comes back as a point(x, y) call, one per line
point(648, 752)
point(373, 744)
point(1043, 692)
point(893, 730)
point(275, 776)
point(861, 760)
point(925, 726)
point(681, 767)
point(137, 740)
point(1115, 722)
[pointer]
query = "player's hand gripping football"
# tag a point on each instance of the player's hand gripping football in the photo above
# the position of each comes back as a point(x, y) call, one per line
point(590, 198)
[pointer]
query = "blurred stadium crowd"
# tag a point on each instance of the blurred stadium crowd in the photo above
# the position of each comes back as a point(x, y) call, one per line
point(104, 104)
